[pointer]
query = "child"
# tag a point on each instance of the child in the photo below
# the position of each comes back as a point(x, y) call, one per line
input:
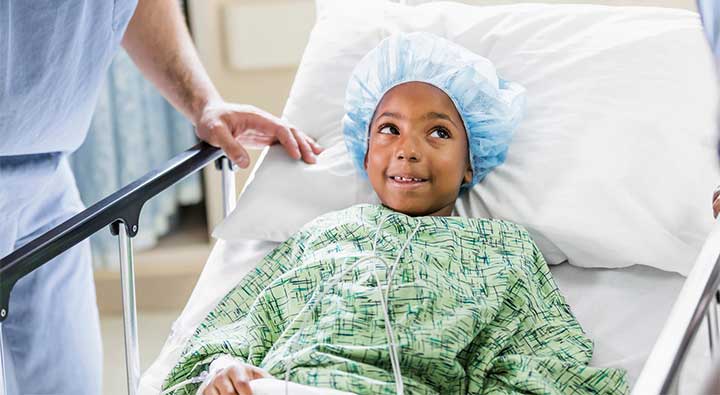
point(402, 298)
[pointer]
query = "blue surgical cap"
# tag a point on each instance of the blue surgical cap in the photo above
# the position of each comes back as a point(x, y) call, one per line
point(489, 106)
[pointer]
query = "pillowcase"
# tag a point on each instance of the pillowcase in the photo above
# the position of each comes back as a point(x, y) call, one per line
point(614, 163)
point(274, 210)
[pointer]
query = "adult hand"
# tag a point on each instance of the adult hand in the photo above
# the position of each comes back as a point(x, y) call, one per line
point(233, 127)
point(716, 202)
point(234, 380)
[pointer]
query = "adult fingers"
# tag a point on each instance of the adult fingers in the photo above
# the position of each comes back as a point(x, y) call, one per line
point(283, 134)
point(305, 149)
point(316, 148)
point(233, 149)
point(716, 208)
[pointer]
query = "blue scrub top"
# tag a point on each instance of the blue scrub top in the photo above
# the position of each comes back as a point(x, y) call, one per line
point(54, 55)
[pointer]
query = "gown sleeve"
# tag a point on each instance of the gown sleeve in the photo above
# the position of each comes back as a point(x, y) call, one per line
point(238, 326)
point(534, 344)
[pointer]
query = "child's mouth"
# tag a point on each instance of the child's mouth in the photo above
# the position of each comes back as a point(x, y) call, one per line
point(407, 181)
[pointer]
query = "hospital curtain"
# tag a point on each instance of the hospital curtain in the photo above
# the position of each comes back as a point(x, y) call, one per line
point(133, 130)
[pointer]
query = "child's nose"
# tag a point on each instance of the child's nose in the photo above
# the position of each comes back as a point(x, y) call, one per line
point(407, 150)
point(411, 157)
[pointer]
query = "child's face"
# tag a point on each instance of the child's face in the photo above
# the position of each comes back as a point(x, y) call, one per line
point(417, 157)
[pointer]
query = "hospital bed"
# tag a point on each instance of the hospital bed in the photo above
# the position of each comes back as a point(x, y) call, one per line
point(660, 326)
point(646, 320)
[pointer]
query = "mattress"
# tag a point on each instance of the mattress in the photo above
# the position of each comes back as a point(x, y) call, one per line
point(622, 310)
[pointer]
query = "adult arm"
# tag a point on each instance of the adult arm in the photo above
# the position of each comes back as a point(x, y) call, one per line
point(158, 41)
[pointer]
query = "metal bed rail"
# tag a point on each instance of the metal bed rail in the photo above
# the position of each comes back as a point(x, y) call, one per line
point(122, 207)
point(698, 300)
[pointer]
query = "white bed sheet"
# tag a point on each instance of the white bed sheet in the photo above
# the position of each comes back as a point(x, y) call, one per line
point(622, 310)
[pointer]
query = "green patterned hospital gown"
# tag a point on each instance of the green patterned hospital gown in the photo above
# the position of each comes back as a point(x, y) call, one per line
point(472, 303)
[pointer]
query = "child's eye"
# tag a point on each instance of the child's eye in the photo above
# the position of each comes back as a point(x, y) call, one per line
point(388, 129)
point(440, 133)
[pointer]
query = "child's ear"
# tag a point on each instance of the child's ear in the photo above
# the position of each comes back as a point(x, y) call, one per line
point(467, 178)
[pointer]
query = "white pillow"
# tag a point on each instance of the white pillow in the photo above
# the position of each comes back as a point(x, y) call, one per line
point(274, 209)
point(614, 162)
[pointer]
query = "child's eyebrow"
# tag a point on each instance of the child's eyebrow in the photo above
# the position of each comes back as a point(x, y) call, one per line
point(429, 115)
point(439, 115)
point(391, 115)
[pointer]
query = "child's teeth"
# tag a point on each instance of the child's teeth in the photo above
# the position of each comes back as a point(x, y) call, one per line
point(399, 178)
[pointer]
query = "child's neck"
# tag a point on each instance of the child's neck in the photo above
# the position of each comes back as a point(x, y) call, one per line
point(443, 212)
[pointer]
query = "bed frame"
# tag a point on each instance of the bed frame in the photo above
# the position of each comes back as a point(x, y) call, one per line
point(121, 212)
point(698, 299)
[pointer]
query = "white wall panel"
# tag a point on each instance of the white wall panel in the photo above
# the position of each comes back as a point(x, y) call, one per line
point(267, 35)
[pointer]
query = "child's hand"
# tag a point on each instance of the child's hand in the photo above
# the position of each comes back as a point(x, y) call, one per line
point(716, 202)
point(233, 379)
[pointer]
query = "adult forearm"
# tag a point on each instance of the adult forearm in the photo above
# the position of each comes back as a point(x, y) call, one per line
point(158, 41)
